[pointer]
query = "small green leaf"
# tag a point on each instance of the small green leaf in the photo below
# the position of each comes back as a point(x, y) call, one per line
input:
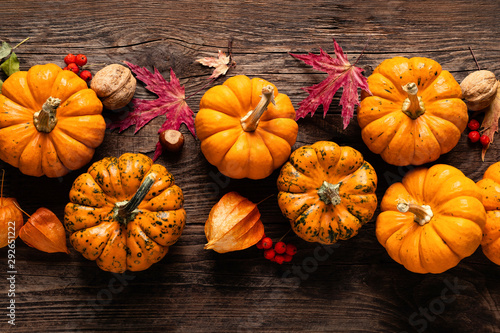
point(11, 65)
point(4, 50)
point(1, 83)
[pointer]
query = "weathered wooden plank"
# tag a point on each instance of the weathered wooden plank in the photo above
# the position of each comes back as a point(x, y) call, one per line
point(352, 287)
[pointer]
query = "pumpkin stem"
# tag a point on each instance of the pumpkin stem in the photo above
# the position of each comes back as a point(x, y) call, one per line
point(126, 211)
point(45, 120)
point(413, 106)
point(423, 213)
point(329, 193)
point(250, 121)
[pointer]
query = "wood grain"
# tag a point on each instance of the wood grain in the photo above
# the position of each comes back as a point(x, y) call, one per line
point(351, 287)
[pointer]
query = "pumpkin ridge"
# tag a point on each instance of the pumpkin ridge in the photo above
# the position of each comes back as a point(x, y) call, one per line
point(402, 131)
point(21, 113)
point(81, 137)
point(382, 87)
point(116, 238)
point(345, 231)
point(301, 221)
point(380, 101)
point(285, 185)
point(133, 235)
point(444, 75)
point(62, 141)
point(234, 138)
point(215, 121)
point(442, 138)
point(398, 236)
point(410, 253)
point(354, 210)
point(105, 229)
point(325, 225)
point(414, 124)
point(51, 164)
point(423, 256)
point(411, 67)
point(220, 89)
point(302, 209)
point(390, 129)
point(266, 144)
point(28, 138)
point(19, 93)
point(426, 144)
point(463, 191)
point(492, 229)
point(248, 151)
point(282, 110)
point(382, 231)
point(237, 94)
point(351, 176)
point(35, 136)
point(141, 224)
point(436, 230)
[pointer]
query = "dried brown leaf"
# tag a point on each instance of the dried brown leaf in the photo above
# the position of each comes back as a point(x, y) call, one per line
point(490, 121)
point(221, 64)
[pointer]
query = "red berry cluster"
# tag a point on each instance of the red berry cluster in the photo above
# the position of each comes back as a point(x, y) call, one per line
point(75, 62)
point(280, 253)
point(475, 136)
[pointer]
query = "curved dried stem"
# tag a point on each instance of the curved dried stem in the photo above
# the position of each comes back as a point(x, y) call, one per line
point(17, 206)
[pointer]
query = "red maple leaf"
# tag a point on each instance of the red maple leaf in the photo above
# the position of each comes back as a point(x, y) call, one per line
point(171, 102)
point(340, 74)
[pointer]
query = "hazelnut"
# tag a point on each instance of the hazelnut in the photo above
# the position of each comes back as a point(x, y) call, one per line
point(172, 140)
point(479, 89)
point(114, 85)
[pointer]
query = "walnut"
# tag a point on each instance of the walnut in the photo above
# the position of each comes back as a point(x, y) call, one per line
point(114, 85)
point(479, 89)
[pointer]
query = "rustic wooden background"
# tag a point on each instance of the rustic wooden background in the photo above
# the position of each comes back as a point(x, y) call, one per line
point(351, 287)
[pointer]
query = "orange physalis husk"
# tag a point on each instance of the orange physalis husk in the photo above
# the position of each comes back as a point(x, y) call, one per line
point(10, 216)
point(45, 232)
point(233, 224)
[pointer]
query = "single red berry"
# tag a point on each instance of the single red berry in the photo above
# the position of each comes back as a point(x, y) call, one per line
point(474, 125)
point(485, 140)
point(86, 75)
point(81, 60)
point(279, 259)
point(291, 249)
point(474, 136)
point(280, 247)
point(259, 245)
point(287, 257)
point(267, 243)
point(69, 58)
point(66, 68)
point(269, 254)
point(73, 67)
